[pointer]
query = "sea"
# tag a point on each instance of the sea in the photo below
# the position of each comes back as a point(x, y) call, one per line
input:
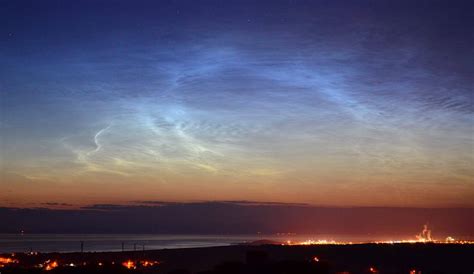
point(129, 242)
point(106, 242)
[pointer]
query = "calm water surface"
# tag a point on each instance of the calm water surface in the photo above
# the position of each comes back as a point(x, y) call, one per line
point(104, 242)
point(113, 242)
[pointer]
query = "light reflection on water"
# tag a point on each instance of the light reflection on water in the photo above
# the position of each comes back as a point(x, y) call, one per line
point(113, 242)
point(106, 242)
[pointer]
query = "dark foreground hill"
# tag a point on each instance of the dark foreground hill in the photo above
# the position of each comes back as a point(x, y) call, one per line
point(277, 259)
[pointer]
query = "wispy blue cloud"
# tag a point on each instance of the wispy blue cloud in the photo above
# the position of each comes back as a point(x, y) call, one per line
point(243, 98)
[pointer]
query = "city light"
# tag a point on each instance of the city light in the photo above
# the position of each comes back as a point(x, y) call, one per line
point(5, 261)
point(373, 270)
point(129, 264)
point(50, 265)
point(423, 237)
point(149, 263)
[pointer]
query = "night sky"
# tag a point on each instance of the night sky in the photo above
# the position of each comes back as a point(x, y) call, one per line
point(327, 103)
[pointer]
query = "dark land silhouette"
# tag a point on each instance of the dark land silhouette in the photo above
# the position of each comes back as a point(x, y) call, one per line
point(425, 258)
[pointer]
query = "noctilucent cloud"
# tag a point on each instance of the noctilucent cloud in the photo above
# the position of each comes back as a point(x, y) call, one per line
point(338, 103)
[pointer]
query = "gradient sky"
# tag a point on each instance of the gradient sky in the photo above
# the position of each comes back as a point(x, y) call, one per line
point(334, 103)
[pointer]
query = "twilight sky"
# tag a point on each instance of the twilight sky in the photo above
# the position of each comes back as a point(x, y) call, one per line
point(333, 103)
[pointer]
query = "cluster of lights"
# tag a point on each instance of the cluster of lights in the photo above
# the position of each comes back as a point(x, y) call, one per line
point(6, 260)
point(149, 263)
point(448, 240)
point(50, 265)
point(423, 237)
point(317, 242)
point(129, 264)
point(133, 265)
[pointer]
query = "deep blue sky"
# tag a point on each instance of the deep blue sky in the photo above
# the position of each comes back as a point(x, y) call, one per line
point(325, 102)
